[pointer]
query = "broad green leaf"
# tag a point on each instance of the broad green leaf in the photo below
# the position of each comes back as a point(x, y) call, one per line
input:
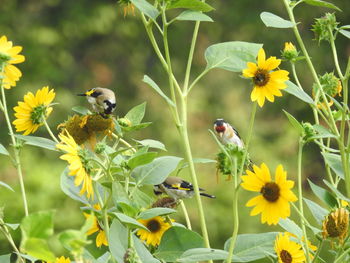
point(321, 4)
point(189, 15)
point(272, 20)
point(203, 254)
point(291, 227)
point(81, 110)
point(322, 132)
point(195, 5)
point(298, 92)
point(250, 247)
point(12, 226)
point(137, 127)
point(69, 188)
point(129, 221)
point(38, 248)
point(323, 195)
point(345, 33)
point(157, 171)
point(3, 150)
point(141, 159)
point(294, 122)
point(175, 241)
point(38, 141)
point(104, 258)
point(153, 85)
point(334, 162)
point(232, 56)
point(336, 191)
point(143, 252)
point(27, 257)
point(121, 199)
point(37, 225)
point(6, 186)
point(141, 199)
point(5, 258)
point(157, 211)
point(136, 114)
point(146, 8)
point(152, 144)
point(316, 210)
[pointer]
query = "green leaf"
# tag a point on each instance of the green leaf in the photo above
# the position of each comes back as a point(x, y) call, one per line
point(81, 110)
point(195, 5)
point(321, 4)
point(129, 221)
point(294, 122)
point(189, 15)
point(157, 211)
point(272, 20)
point(5, 258)
point(203, 254)
point(298, 92)
point(317, 211)
point(38, 141)
point(6, 186)
point(69, 188)
point(136, 114)
point(137, 127)
point(323, 195)
point(121, 199)
point(250, 247)
point(141, 159)
point(175, 241)
point(291, 227)
point(345, 33)
point(12, 226)
point(3, 150)
point(336, 191)
point(141, 199)
point(152, 144)
point(37, 225)
point(322, 132)
point(38, 248)
point(146, 8)
point(232, 56)
point(153, 85)
point(157, 171)
point(334, 162)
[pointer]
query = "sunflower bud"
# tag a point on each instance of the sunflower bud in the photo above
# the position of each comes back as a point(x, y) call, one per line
point(331, 86)
point(124, 122)
point(100, 147)
point(131, 256)
point(289, 52)
point(324, 27)
point(309, 131)
point(336, 224)
point(167, 202)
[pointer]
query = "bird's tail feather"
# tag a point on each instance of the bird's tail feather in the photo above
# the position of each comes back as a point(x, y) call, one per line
point(207, 195)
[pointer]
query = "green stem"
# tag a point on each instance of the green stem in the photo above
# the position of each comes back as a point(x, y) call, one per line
point(187, 218)
point(334, 52)
point(340, 258)
point(7, 234)
point(124, 142)
point(319, 249)
point(50, 132)
point(197, 79)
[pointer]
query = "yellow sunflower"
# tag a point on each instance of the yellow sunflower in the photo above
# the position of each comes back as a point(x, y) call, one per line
point(78, 163)
point(62, 260)
point(9, 54)
point(101, 238)
point(274, 198)
point(267, 83)
point(288, 251)
point(156, 226)
point(32, 112)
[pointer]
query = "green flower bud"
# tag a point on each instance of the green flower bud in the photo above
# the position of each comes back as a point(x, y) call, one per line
point(289, 52)
point(309, 131)
point(331, 86)
point(124, 122)
point(324, 27)
point(100, 147)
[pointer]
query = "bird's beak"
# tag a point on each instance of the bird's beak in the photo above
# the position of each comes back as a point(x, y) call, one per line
point(81, 94)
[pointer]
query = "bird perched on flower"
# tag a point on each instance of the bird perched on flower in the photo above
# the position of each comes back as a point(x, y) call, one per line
point(227, 133)
point(101, 99)
point(177, 188)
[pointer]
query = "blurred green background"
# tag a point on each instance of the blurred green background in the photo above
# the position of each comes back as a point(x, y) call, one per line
point(73, 46)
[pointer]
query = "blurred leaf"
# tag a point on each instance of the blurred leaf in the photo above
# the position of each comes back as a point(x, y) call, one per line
point(146, 8)
point(37, 225)
point(157, 171)
point(322, 132)
point(3, 150)
point(322, 4)
point(294, 122)
point(38, 248)
point(5, 258)
point(12, 226)
point(141, 199)
point(203, 254)
point(104, 258)
point(81, 110)
point(38, 141)
point(298, 92)
point(143, 252)
point(6, 186)
point(189, 15)
point(121, 199)
point(175, 241)
point(250, 247)
point(335, 163)
point(291, 227)
point(137, 127)
point(157, 211)
point(27, 257)
point(195, 5)
point(345, 33)
point(136, 114)
point(323, 195)
point(69, 188)
point(152, 144)
point(129, 221)
point(317, 211)
point(232, 56)
point(336, 191)
point(141, 159)
point(272, 20)
point(153, 85)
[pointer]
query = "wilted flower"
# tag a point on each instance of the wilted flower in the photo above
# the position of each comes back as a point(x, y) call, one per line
point(336, 224)
point(167, 202)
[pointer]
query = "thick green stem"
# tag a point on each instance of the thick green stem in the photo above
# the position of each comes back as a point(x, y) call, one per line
point(187, 218)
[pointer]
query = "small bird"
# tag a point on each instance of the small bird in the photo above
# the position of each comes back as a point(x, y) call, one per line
point(101, 99)
point(227, 133)
point(177, 188)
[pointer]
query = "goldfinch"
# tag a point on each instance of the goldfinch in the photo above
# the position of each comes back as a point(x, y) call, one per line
point(227, 133)
point(177, 188)
point(101, 99)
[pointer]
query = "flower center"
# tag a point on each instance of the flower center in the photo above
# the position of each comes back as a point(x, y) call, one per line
point(38, 114)
point(270, 191)
point(286, 256)
point(153, 226)
point(261, 77)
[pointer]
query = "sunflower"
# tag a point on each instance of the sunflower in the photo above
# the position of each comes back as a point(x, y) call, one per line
point(9, 55)
point(78, 163)
point(32, 112)
point(101, 238)
point(62, 260)
point(267, 83)
point(156, 226)
point(288, 251)
point(274, 198)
